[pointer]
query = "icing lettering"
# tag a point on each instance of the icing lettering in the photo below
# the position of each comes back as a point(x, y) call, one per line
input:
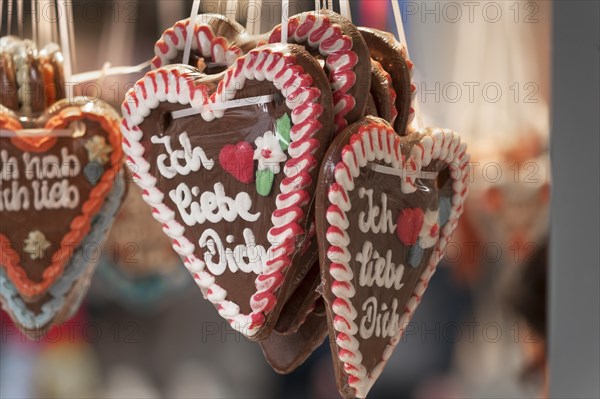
point(38, 182)
point(385, 224)
point(9, 168)
point(211, 206)
point(247, 258)
point(377, 270)
point(169, 165)
point(50, 166)
point(379, 321)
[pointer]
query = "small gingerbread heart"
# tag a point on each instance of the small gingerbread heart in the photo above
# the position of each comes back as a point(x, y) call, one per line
point(377, 191)
point(59, 196)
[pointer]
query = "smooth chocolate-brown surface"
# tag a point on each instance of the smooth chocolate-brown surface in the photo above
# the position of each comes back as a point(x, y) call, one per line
point(389, 53)
point(301, 302)
point(286, 352)
point(372, 301)
point(380, 93)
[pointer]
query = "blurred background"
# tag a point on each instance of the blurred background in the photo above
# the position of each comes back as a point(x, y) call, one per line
point(144, 331)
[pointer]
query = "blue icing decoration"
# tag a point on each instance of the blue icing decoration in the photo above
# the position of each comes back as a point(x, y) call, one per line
point(415, 255)
point(445, 208)
point(93, 172)
point(74, 269)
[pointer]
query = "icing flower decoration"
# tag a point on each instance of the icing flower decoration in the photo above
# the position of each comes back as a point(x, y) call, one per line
point(98, 150)
point(36, 244)
point(269, 153)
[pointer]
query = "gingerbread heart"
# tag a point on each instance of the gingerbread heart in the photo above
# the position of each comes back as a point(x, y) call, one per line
point(392, 57)
point(373, 185)
point(241, 241)
point(59, 195)
point(64, 297)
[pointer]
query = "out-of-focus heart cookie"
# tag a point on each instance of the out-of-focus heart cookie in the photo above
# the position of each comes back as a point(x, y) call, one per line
point(382, 94)
point(217, 42)
point(52, 187)
point(385, 209)
point(241, 240)
point(392, 57)
point(59, 195)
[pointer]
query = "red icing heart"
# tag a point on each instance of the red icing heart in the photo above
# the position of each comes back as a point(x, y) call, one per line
point(238, 161)
point(410, 222)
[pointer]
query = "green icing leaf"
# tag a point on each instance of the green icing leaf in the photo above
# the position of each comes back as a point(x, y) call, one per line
point(283, 126)
point(264, 182)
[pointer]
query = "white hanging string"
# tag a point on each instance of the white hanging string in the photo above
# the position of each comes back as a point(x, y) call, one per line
point(76, 129)
point(9, 16)
point(402, 37)
point(237, 103)
point(43, 22)
point(317, 5)
point(345, 9)
point(65, 43)
point(71, 33)
point(108, 70)
point(20, 18)
point(285, 10)
point(1, 12)
point(253, 22)
point(190, 32)
point(231, 9)
point(34, 35)
point(403, 173)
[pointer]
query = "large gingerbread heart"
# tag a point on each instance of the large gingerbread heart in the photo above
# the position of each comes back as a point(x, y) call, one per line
point(386, 207)
point(233, 187)
point(332, 39)
point(52, 187)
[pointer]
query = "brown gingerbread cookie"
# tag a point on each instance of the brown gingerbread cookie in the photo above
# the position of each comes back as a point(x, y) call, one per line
point(385, 209)
point(59, 195)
